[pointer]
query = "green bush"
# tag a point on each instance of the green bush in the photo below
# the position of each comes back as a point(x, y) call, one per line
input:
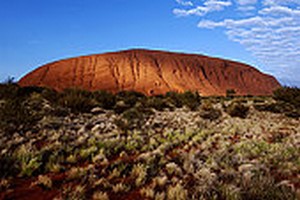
point(230, 93)
point(106, 99)
point(130, 97)
point(157, 102)
point(237, 109)
point(133, 118)
point(287, 102)
point(16, 115)
point(8, 166)
point(174, 98)
point(190, 99)
point(50, 95)
point(289, 95)
point(8, 91)
point(77, 100)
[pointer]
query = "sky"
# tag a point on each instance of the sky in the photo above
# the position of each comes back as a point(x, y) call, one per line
point(262, 33)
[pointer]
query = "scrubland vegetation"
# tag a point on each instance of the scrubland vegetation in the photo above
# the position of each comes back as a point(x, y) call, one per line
point(77, 144)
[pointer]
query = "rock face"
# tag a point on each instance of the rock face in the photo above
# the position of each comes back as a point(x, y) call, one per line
point(152, 72)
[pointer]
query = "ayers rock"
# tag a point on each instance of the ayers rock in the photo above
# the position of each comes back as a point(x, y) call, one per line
point(152, 72)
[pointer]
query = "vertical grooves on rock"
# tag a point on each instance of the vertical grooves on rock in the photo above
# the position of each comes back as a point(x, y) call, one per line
point(73, 82)
point(93, 71)
point(132, 66)
point(141, 70)
point(137, 65)
point(204, 72)
point(180, 76)
point(159, 72)
point(81, 72)
point(113, 74)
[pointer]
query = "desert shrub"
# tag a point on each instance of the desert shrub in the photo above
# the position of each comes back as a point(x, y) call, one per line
point(264, 187)
point(50, 95)
point(8, 91)
point(259, 99)
point(133, 118)
point(174, 98)
point(8, 166)
point(190, 99)
point(157, 102)
point(279, 107)
point(230, 93)
point(121, 107)
point(77, 100)
point(130, 97)
point(289, 95)
point(12, 90)
point(287, 102)
point(16, 115)
point(209, 112)
point(272, 107)
point(106, 99)
point(237, 109)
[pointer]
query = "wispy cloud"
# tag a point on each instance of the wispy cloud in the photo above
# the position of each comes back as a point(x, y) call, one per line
point(185, 3)
point(207, 7)
point(271, 34)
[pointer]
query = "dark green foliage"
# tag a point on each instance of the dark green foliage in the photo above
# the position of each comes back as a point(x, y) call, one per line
point(237, 109)
point(12, 91)
point(287, 102)
point(8, 91)
point(8, 166)
point(230, 93)
point(16, 115)
point(50, 95)
point(106, 99)
point(190, 99)
point(157, 102)
point(121, 107)
point(77, 100)
point(175, 99)
point(133, 118)
point(289, 95)
point(130, 97)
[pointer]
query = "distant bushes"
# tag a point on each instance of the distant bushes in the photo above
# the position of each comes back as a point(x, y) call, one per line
point(19, 109)
point(22, 107)
point(287, 101)
point(237, 109)
point(288, 95)
point(190, 99)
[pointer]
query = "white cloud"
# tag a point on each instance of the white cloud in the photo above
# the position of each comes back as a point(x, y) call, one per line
point(207, 7)
point(279, 10)
point(280, 2)
point(271, 33)
point(185, 3)
point(246, 2)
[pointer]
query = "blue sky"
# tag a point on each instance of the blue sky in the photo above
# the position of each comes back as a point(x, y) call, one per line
point(261, 33)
